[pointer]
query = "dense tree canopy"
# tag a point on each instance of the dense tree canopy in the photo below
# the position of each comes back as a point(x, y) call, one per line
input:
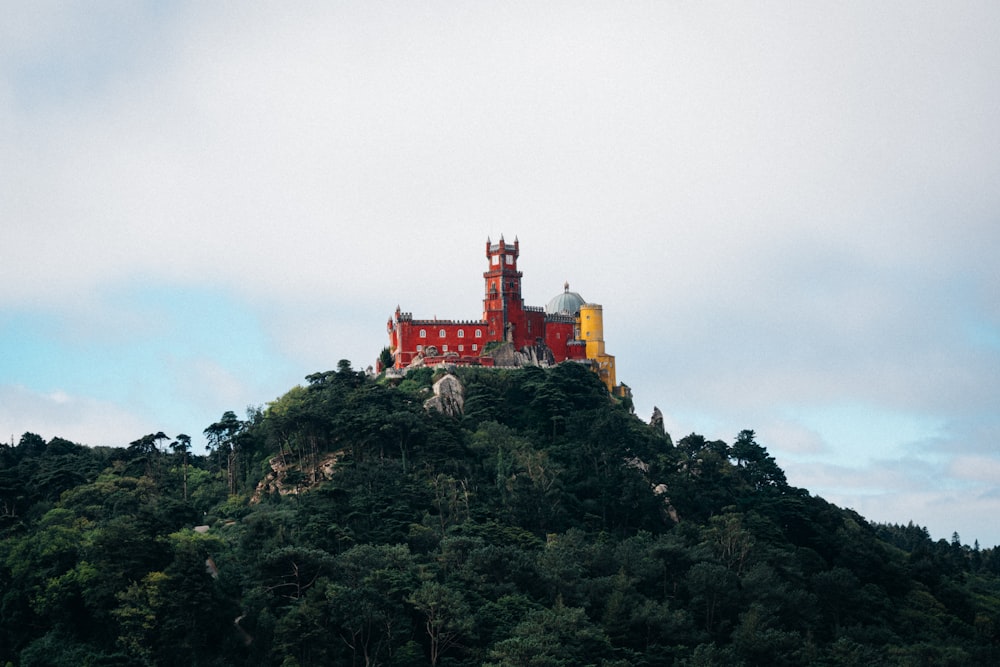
point(344, 524)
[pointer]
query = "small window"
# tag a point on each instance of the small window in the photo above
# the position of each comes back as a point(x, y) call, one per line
point(444, 348)
point(510, 259)
point(423, 333)
point(461, 348)
point(461, 333)
point(420, 348)
point(495, 259)
point(474, 347)
point(442, 334)
point(479, 333)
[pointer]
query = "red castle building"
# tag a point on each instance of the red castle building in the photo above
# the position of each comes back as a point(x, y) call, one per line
point(568, 328)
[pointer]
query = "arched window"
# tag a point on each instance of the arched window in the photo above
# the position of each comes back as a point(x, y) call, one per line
point(441, 334)
point(461, 333)
point(423, 333)
point(479, 333)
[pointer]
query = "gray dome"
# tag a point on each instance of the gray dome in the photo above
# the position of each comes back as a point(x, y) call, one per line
point(567, 303)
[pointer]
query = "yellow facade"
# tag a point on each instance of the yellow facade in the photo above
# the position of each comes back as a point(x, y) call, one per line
point(592, 333)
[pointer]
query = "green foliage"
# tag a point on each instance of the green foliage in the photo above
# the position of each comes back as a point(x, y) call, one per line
point(417, 380)
point(385, 359)
point(559, 636)
point(545, 526)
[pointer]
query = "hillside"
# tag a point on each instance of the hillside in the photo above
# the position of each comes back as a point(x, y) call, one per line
point(540, 524)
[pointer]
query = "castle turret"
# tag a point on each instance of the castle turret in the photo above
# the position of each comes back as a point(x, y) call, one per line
point(592, 333)
point(503, 307)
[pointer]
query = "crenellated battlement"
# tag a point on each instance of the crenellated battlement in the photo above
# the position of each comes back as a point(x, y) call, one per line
point(448, 323)
point(502, 246)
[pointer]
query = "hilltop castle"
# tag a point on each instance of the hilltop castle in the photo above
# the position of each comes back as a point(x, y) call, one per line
point(568, 328)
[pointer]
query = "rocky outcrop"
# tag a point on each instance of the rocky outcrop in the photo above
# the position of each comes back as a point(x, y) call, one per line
point(507, 356)
point(292, 479)
point(669, 511)
point(656, 421)
point(448, 398)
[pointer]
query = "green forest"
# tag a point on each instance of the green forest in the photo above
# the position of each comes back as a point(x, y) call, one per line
point(543, 525)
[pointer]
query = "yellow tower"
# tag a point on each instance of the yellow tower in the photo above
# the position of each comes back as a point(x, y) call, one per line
point(592, 333)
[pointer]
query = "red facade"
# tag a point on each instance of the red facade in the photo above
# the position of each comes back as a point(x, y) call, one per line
point(505, 318)
point(459, 341)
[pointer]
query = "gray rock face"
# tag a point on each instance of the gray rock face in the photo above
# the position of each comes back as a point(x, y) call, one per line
point(448, 398)
point(506, 356)
point(656, 421)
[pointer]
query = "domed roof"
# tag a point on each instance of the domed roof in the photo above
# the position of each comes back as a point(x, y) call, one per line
point(566, 303)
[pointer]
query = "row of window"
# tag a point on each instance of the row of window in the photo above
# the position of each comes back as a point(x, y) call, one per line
point(443, 334)
point(493, 286)
point(444, 348)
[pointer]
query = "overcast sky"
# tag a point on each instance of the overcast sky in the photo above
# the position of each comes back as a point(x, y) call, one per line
point(789, 211)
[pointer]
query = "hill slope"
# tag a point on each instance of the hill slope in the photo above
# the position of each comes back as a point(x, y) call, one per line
point(545, 525)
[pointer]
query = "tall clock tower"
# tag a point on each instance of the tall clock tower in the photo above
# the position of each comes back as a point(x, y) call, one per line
point(503, 307)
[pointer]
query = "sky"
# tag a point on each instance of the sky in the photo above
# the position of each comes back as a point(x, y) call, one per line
point(790, 212)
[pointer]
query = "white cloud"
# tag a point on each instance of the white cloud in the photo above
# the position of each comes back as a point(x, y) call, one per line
point(789, 436)
point(295, 135)
point(58, 413)
point(207, 382)
point(981, 469)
